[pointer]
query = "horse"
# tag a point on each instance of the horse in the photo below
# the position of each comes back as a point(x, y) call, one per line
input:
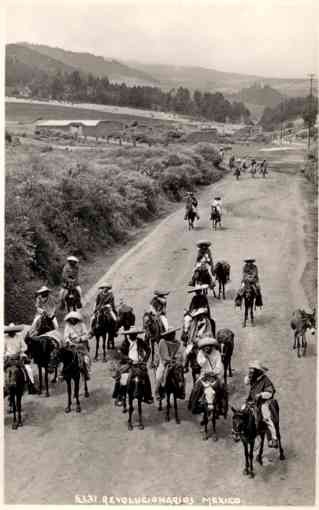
point(15, 387)
point(72, 299)
point(245, 428)
point(237, 173)
point(135, 389)
point(222, 274)
point(41, 348)
point(249, 296)
point(201, 276)
point(190, 217)
point(206, 400)
point(174, 385)
point(215, 216)
point(225, 338)
point(72, 369)
point(104, 324)
point(253, 171)
point(263, 171)
point(153, 329)
point(300, 322)
point(126, 317)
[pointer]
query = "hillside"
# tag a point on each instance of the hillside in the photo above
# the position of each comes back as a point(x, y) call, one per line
point(212, 80)
point(96, 65)
point(259, 94)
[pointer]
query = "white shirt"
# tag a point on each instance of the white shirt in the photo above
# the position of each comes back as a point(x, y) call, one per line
point(14, 345)
point(133, 352)
point(211, 363)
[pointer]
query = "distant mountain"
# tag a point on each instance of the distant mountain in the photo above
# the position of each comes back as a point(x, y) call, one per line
point(96, 65)
point(212, 80)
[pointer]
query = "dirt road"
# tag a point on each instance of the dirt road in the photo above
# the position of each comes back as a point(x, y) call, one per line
point(56, 456)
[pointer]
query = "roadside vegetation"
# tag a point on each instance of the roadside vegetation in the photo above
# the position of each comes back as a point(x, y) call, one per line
point(59, 203)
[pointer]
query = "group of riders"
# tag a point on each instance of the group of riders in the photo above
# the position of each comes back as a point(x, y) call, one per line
point(197, 340)
point(248, 164)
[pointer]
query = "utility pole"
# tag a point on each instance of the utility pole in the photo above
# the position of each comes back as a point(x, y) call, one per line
point(311, 76)
point(282, 120)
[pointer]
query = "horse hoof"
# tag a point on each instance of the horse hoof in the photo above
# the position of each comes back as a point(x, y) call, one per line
point(141, 426)
point(104, 359)
point(167, 418)
point(245, 472)
point(53, 381)
point(251, 475)
point(205, 438)
point(20, 424)
point(215, 438)
point(259, 460)
point(124, 411)
point(14, 426)
point(67, 410)
point(178, 421)
point(47, 395)
point(96, 358)
point(130, 426)
point(78, 409)
point(282, 457)
point(86, 394)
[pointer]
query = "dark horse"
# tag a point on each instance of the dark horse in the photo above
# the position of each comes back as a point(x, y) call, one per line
point(41, 348)
point(237, 173)
point(202, 276)
point(135, 389)
point(222, 273)
point(246, 429)
point(190, 217)
point(104, 325)
point(204, 399)
point(225, 338)
point(215, 217)
point(174, 385)
point(249, 296)
point(15, 387)
point(72, 369)
point(300, 322)
point(153, 329)
point(72, 299)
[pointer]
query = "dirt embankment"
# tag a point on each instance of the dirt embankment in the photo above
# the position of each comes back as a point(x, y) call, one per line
point(310, 274)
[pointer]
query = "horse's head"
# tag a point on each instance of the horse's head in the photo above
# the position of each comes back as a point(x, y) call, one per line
point(187, 321)
point(54, 358)
point(222, 348)
point(239, 421)
point(209, 392)
point(311, 321)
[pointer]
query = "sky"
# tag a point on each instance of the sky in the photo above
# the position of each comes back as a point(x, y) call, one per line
point(272, 38)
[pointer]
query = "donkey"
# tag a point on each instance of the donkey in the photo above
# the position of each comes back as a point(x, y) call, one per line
point(300, 322)
point(222, 273)
point(225, 338)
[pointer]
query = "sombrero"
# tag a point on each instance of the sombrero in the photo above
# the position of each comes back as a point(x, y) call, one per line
point(13, 328)
point(257, 365)
point(198, 287)
point(203, 243)
point(207, 341)
point(161, 293)
point(217, 198)
point(200, 311)
point(74, 315)
point(43, 289)
point(105, 286)
point(132, 331)
point(169, 332)
point(72, 259)
point(249, 260)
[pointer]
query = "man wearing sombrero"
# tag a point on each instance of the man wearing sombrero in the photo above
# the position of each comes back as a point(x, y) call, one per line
point(76, 333)
point(105, 297)
point(191, 203)
point(158, 307)
point(261, 393)
point(70, 277)
point(250, 276)
point(169, 348)
point(14, 353)
point(44, 304)
point(199, 299)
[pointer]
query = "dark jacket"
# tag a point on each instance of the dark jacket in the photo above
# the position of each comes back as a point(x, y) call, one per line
point(202, 252)
point(199, 301)
point(105, 298)
point(70, 275)
point(263, 383)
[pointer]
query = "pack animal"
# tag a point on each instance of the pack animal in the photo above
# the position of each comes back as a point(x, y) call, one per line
point(301, 322)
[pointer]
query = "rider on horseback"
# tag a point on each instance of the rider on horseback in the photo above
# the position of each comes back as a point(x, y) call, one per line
point(211, 368)
point(204, 260)
point(14, 353)
point(199, 300)
point(44, 305)
point(260, 395)
point(70, 278)
point(169, 349)
point(191, 203)
point(134, 353)
point(158, 308)
point(104, 297)
point(217, 202)
point(250, 277)
point(76, 335)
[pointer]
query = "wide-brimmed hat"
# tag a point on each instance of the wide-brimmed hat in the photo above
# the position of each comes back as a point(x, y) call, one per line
point(71, 258)
point(105, 285)
point(169, 332)
point(161, 293)
point(199, 311)
point(257, 365)
point(13, 328)
point(203, 242)
point(43, 290)
point(74, 315)
point(132, 331)
point(217, 198)
point(198, 287)
point(249, 260)
point(207, 341)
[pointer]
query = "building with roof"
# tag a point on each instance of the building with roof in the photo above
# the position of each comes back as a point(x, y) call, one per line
point(95, 128)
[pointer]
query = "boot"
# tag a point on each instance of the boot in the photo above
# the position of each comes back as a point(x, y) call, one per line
point(31, 388)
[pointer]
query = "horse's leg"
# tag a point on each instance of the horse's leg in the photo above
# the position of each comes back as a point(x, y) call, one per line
point(97, 337)
point(252, 313)
point(19, 406)
point(214, 423)
point(281, 450)
point(259, 457)
point(304, 343)
point(104, 343)
point(46, 380)
point(219, 288)
point(124, 392)
point(176, 410)
point(140, 417)
point(229, 367)
point(40, 379)
point(69, 389)
point(168, 405)
point(246, 315)
point(14, 410)
point(86, 391)
point(160, 406)
point(298, 346)
point(205, 423)
point(55, 378)
point(246, 470)
point(130, 409)
point(224, 295)
point(251, 459)
point(76, 393)
point(295, 340)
